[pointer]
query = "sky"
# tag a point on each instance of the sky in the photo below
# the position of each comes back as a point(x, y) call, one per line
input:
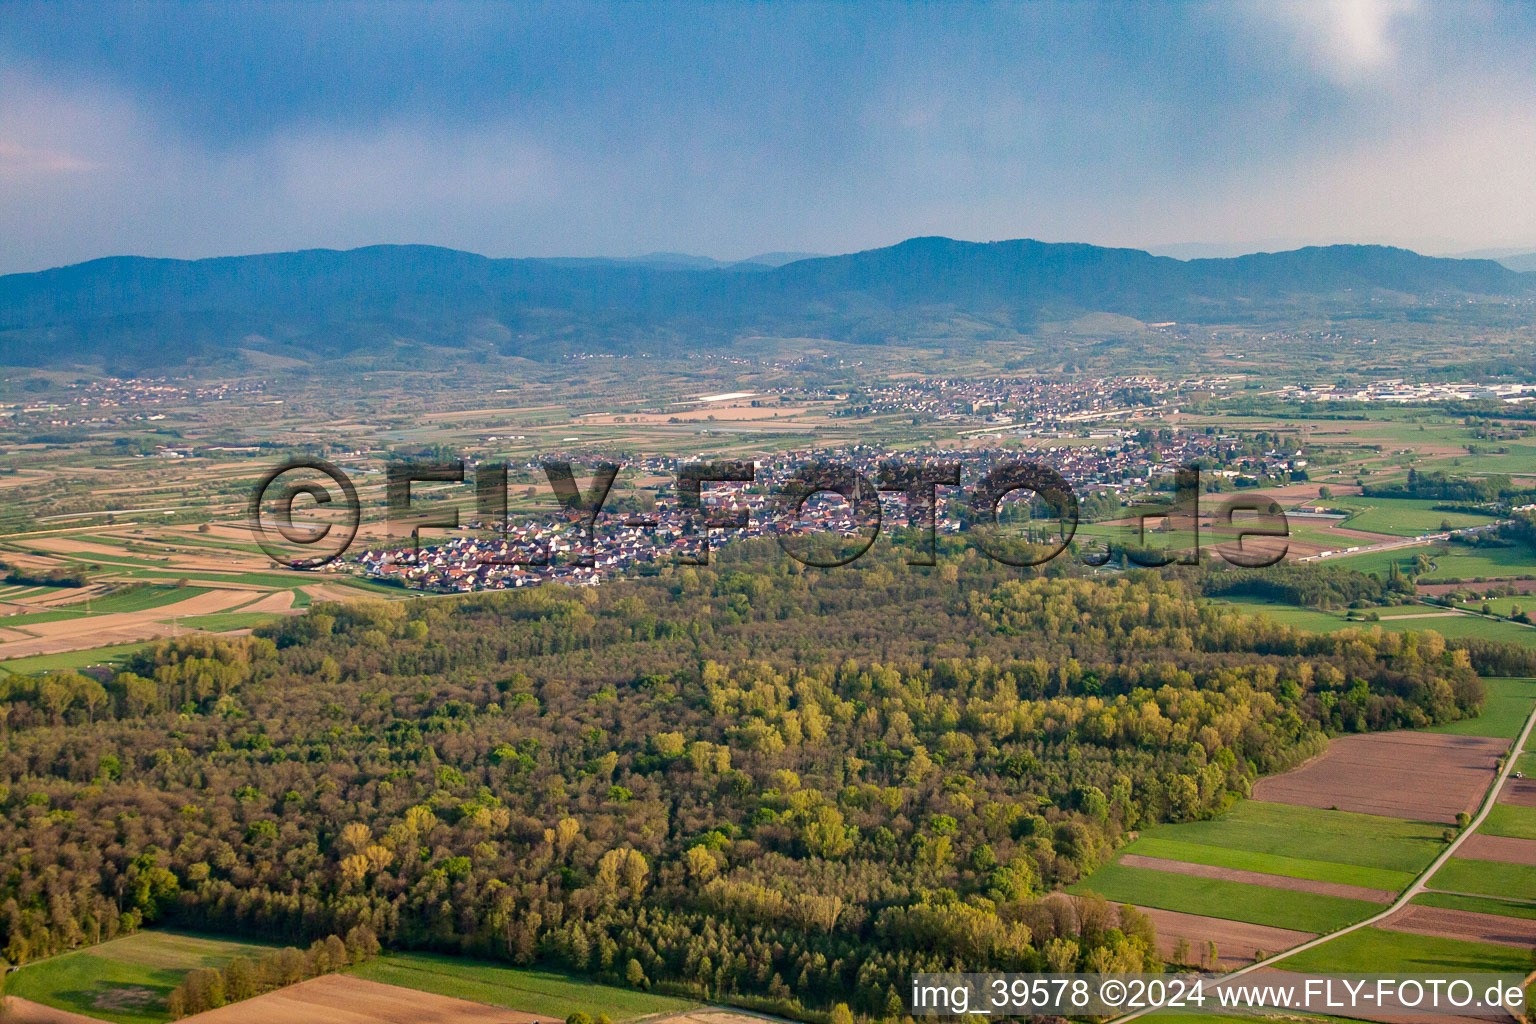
point(193, 130)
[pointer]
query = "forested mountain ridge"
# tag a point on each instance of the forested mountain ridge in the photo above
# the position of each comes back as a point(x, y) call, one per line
point(136, 312)
point(796, 786)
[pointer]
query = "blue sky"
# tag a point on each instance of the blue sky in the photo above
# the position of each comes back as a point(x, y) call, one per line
point(733, 129)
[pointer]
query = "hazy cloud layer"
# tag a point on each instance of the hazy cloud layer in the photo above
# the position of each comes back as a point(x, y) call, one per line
point(733, 129)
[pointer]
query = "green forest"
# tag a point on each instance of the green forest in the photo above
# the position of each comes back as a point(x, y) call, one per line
point(787, 786)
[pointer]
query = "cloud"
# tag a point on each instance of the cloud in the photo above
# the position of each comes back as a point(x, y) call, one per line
point(1346, 39)
point(743, 131)
point(21, 161)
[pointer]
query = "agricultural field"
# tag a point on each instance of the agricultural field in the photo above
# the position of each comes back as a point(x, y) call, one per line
point(345, 999)
point(1505, 710)
point(1449, 562)
point(544, 993)
point(1418, 618)
point(1486, 878)
point(1253, 860)
point(72, 661)
point(1477, 904)
point(126, 980)
point(1510, 820)
point(1401, 517)
point(1374, 950)
point(1302, 842)
point(1237, 901)
point(1422, 776)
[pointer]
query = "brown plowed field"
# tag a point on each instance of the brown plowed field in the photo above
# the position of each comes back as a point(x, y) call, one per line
point(1463, 924)
point(1519, 791)
point(15, 1010)
point(1478, 846)
point(328, 592)
point(280, 601)
point(342, 999)
point(1237, 942)
point(116, 628)
point(1180, 867)
point(1416, 775)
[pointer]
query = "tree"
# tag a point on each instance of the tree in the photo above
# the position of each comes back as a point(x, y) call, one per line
point(634, 974)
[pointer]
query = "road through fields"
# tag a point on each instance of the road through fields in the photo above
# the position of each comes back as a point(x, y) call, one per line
point(1419, 883)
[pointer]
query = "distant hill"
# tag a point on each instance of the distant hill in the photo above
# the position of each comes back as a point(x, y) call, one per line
point(1525, 262)
point(132, 313)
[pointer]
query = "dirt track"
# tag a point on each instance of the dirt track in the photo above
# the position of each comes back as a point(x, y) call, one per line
point(342, 999)
point(1463, 924)
point(1415, 775)
point(1237, 942)
point(1179, 867)
point(1501, 848)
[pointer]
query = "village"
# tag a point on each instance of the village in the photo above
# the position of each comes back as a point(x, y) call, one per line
point(1131, 465)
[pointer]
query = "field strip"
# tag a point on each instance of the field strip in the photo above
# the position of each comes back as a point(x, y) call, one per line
point(1273, 881)
point(1466, 925)
point(1423, 776)
point(1481, 896)
point(1406, 896)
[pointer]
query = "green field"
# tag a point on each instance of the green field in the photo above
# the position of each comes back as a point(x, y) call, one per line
point(69, 660)
point(1486, 878)
point(125, 980)
point(1310, 619)
point(132, 599)
point(1477, 904)
point(220, 622)
point(1467, 562)
point(517, 988)
point(1299, 836)
point(1374, 950)
point(1398, 620)
point(1505, 710)
point(1510, 820)
point(1215, 897)
point(1411, 618)
point(1150, 845)
point(1401, 517)
point(1464, 626)
point(1458, 562)
point(1504, 606)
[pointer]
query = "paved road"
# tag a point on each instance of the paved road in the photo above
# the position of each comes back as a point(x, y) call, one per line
point(1419, 884)
point(1405, 542)
point(1386, 545)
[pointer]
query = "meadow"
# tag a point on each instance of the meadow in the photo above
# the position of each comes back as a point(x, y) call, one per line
point(1401, 517)
point(70, 661)
point(1459, 562)
point(125, 980)
point(1505, 710)
point(1415, 618)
